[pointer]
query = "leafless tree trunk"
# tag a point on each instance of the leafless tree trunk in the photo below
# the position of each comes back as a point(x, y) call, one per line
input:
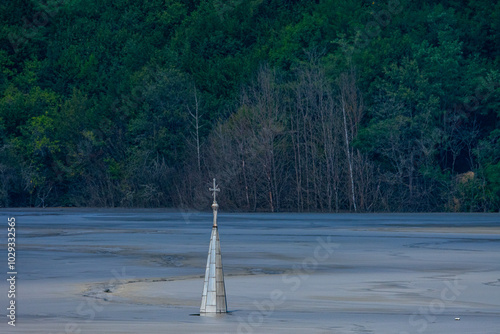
point(352, 109)
point(348, 153)
point(195, 115)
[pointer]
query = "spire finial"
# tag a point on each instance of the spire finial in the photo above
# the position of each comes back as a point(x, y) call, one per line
point(215, 190)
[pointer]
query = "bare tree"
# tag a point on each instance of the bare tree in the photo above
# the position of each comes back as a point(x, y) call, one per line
point(351, 105)
point(265, 100)
point(313, 137)
point(252, 145)
point(196, 115)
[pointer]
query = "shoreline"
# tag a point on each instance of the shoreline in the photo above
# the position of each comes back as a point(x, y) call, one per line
point(193, 210)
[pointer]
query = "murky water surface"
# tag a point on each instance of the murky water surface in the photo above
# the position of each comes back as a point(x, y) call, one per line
point(127, 271)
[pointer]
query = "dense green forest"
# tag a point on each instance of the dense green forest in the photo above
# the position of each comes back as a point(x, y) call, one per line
point(293, 105)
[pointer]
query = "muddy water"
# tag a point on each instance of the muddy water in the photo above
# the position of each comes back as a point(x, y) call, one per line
point(126, 271)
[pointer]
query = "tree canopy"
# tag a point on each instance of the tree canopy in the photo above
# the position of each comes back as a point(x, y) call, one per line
point(293, 105)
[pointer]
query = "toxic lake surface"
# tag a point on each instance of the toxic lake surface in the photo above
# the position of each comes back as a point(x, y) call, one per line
point(141, 271)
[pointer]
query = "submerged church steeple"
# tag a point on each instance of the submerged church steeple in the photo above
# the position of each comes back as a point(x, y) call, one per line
point(213, 299)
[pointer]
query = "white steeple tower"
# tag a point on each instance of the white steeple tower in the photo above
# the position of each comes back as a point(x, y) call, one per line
point(213, 299)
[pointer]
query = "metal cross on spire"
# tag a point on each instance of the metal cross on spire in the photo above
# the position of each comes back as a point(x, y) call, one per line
point(215, 190)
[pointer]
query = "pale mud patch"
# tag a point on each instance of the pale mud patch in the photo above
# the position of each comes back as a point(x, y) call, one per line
point(176, 291)
point(435, 229)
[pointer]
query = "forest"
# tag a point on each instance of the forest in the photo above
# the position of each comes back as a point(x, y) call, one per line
point(293, 105)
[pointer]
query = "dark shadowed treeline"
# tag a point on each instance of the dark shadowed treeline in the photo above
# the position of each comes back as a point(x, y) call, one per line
point(292, 105)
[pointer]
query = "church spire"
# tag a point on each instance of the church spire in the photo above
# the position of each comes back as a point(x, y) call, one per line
point(213, 299)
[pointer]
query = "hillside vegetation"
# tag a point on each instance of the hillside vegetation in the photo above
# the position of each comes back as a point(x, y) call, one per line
point(293, 105)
